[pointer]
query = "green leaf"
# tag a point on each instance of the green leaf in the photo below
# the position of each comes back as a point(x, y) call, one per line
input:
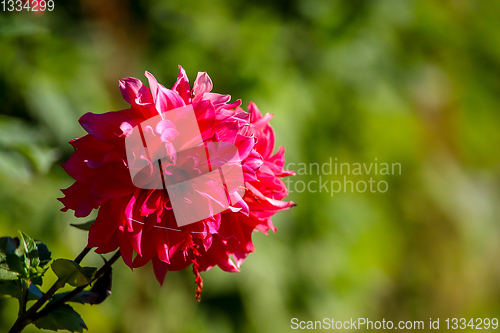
point(62, 318)
point(16, 264)
point(44, 257)
point(103, 286)
point(23, 258)
point(43, 253)
point(14, 289)
point(10, 288)
point(83, 226)
point(30, 249)
point(36, 279)
point(8, 245)
point(12, 259)
point(34, 292)
point(5, 274)
point(72, 273)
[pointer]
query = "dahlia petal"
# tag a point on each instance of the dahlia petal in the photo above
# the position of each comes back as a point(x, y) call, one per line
point(140, 261)
point(90, 142)
point(234, 209)
point(148, 248)
point(232, 105)
point(106, 126)
point(107, 222)
point(205, 262)
point(249, 174)
point(169, 134)
point(126, 251)
point(113, 156)
point(217, 99)
point(254, 161)
point(137, 95)
point(219, 253)
point(202, 84)
point(129, 210)
point(132, 89)
point(277, 171)
point(245, 145)
point(262, 122)
point(136, 240)
point(207, 242)
point(254, 112)
point(214, 224)
point(160, 268)
point(238, 237)
point(164, 125)
point(126, 128)
point(162, 249)
point(271, 186)
point(182, 86)
point(241, 114)
point(112, 181)
point(167, 100)
point(227, 132)
point(240, 203)
point(223, 114)
point(265, 226)
point(78, 198)
point(278, 159)
point(112, 244)
point(178, 262)
point(151, 203)
point(277, 162)
point(153, 85)
point(104, 226)
point(81, 164)
point(261, 203)
point(265, 141)
point(205, 115)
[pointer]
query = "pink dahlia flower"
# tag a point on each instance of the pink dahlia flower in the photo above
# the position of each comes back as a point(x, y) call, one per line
point(140, 221)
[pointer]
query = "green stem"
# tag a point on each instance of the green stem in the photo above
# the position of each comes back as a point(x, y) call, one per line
point(82, 255)
point(19, 325)
point(23, 301)
point(51, 307)
point(48, 295)
point(25, 317)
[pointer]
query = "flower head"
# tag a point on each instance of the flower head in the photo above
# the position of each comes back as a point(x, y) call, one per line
point(140, 221)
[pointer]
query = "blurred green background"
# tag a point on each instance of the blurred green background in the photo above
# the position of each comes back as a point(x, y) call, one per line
point(409, 82)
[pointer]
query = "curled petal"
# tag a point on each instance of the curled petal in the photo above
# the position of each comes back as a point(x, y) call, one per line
point(153, 85)
point(181, 86)
point(126, 128)
point(202, 84)
point(217, 99)
point(167, 100)
point(106, 126)
point(137, 95)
